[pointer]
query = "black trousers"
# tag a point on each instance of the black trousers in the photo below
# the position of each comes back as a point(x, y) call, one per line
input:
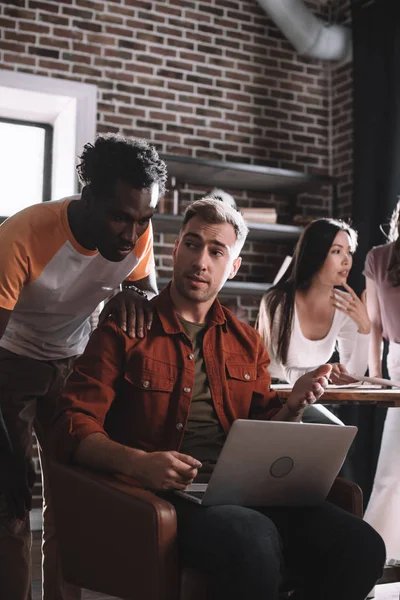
point(336, 555)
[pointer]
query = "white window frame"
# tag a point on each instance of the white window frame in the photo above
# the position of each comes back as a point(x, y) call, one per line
point(70, 107)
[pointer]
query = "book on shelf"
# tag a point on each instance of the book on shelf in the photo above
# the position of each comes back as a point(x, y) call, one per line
point(260, 215)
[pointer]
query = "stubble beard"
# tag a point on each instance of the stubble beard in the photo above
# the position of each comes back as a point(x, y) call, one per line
point(193, 295)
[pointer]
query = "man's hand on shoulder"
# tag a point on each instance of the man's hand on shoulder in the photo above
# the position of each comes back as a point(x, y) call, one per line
point(307, 390)
point(165, 470)
point(131, 310)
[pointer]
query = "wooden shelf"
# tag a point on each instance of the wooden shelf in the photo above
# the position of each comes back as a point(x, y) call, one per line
point(240, 176)
point(232, 288)
point(165, 223)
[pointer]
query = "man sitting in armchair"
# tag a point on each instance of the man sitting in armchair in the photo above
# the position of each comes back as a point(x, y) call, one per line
point(159, 408)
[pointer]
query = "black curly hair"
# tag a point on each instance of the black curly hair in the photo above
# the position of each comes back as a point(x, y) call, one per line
point(113, 157)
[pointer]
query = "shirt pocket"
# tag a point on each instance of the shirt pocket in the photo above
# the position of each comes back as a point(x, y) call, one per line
point(241, 378)
point(148, 374)
point(240, 372)
point(150, 381)
point(150, 396)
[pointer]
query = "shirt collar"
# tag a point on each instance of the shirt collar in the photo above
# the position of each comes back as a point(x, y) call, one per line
point(170, 322)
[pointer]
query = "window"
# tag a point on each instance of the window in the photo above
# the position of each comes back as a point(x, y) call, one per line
point(25, 158)
point(68, 107)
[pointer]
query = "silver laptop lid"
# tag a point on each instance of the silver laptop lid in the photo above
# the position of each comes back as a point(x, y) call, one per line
point(275, 463)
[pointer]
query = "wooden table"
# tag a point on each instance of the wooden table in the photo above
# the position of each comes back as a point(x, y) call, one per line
point(351, 395)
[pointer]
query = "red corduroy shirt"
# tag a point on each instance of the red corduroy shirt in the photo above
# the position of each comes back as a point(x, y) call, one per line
point(138, 391)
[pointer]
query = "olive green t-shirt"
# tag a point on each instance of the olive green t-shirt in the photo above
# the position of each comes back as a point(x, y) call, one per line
point(204, 436)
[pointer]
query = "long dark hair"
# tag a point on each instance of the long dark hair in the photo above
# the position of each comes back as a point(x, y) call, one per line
point(394, 265)
point(309, 256)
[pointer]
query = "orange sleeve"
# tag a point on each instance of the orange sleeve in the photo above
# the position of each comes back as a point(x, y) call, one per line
point(14, 263)
point(28, 240)
point(145, 255)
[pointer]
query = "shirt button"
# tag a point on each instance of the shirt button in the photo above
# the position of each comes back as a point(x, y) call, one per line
point(146, 384)
point(179, 426)
point(247, 376)
point(187, 389)
point(191, 356)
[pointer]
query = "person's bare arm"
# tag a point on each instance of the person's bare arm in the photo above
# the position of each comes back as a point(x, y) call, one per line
point(147, 284)
point(375, 346)
point(156, 470)
point(4, 318)
point(99, 452)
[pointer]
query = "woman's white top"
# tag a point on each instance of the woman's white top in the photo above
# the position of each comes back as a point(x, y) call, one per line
point(306, 355)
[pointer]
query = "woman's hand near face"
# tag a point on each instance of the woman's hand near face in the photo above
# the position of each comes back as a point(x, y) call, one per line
point(351, 304)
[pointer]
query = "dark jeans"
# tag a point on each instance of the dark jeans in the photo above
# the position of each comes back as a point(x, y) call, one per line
point(246, 551)
point(29, 390)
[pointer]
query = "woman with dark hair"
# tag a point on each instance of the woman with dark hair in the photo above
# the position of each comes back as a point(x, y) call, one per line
point(304, 318)
point(382, 272)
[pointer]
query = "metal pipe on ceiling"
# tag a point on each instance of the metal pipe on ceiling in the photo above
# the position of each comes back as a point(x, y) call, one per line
point(309, 34)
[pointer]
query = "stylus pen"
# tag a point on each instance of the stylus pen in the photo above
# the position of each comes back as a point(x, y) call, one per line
point(377, 381)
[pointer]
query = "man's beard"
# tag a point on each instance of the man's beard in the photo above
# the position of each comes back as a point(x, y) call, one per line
point(193, 294)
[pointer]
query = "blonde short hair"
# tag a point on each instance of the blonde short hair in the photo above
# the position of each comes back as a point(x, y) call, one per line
point(214, 210)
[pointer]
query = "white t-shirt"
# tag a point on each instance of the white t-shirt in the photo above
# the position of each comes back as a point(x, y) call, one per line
point(52, 284)
point(306, 355)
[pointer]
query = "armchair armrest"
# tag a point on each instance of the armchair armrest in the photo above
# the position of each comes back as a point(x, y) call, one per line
point(347, 495)
point(114, 537)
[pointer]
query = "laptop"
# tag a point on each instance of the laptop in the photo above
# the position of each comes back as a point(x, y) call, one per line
point(274, 463)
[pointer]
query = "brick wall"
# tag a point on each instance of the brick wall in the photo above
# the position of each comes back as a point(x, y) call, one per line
point(211, 79)
point(342, 121)
point(205, 78)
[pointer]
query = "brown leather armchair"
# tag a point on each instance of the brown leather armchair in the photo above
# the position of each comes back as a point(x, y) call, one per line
point(121, 540)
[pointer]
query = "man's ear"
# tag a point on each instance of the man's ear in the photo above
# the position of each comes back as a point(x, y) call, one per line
point(235, 267)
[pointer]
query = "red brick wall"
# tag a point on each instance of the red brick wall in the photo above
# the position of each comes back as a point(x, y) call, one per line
point(211, 79)
point(342, 121)
point(205, 78)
